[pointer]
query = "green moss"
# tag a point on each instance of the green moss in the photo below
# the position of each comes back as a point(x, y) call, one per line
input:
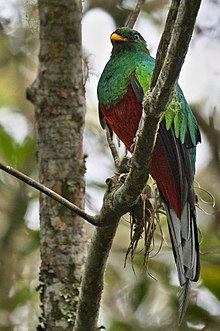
point(69, 303)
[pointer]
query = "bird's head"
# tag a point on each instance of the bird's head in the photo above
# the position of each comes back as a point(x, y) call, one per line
point(125, 39)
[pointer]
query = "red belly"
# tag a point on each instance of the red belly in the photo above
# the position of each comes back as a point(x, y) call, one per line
point(123, 119)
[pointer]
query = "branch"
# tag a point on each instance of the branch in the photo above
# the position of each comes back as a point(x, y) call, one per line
point(212, 134)
point(171, 54)
point(176, 51)
point(165, 40)
point(133, 18)
point(112, 148)
point(31, 182)
point(93, 278)
point(106, 217)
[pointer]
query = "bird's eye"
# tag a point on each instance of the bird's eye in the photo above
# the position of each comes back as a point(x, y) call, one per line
point(137, 36)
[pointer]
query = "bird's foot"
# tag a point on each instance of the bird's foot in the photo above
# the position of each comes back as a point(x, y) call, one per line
point(122, 177)
point(134, 142)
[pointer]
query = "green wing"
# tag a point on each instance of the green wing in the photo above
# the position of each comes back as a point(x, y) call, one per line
point(178, 114)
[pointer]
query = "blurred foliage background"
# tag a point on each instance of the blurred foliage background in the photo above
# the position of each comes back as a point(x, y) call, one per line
point(146, 298)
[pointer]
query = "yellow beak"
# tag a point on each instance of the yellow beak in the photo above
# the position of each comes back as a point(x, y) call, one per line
point(117, 37)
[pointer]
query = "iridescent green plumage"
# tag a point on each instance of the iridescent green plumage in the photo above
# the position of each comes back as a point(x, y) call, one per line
point(140, 64)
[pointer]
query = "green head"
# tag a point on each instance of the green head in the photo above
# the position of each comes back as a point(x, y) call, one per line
point(127, 40)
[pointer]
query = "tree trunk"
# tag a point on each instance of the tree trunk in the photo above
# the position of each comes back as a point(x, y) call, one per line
point(59, 99)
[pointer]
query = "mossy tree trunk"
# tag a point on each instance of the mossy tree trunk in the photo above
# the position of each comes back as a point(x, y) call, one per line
point(58, 96)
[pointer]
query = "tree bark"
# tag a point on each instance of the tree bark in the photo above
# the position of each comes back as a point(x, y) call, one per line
point(59, 99)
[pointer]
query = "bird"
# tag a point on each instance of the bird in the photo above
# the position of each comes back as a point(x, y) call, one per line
point(121, 88)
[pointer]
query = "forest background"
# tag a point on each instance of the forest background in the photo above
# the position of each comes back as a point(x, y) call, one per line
point(130, 299)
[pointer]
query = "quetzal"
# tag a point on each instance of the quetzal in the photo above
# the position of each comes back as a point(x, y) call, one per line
point(122, 85)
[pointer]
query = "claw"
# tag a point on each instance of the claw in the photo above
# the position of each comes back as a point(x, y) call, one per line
point(122, 177)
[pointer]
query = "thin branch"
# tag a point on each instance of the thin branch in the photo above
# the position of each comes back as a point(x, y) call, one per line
point(133, 18)
point(175, 55)
point(214, 135)
point(113, 148)
point(31, 182)
point(165, 40)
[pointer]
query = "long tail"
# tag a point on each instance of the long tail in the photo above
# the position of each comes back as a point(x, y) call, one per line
point(184, 299)
point(184, 238)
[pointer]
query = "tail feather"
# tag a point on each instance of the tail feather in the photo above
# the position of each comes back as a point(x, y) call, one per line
point(185, 226)
point(189, 249)
point(184, 238)
point(174, 225)
point(184, 299)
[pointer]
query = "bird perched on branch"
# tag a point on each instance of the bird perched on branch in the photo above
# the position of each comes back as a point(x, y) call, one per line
point(121, 88)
